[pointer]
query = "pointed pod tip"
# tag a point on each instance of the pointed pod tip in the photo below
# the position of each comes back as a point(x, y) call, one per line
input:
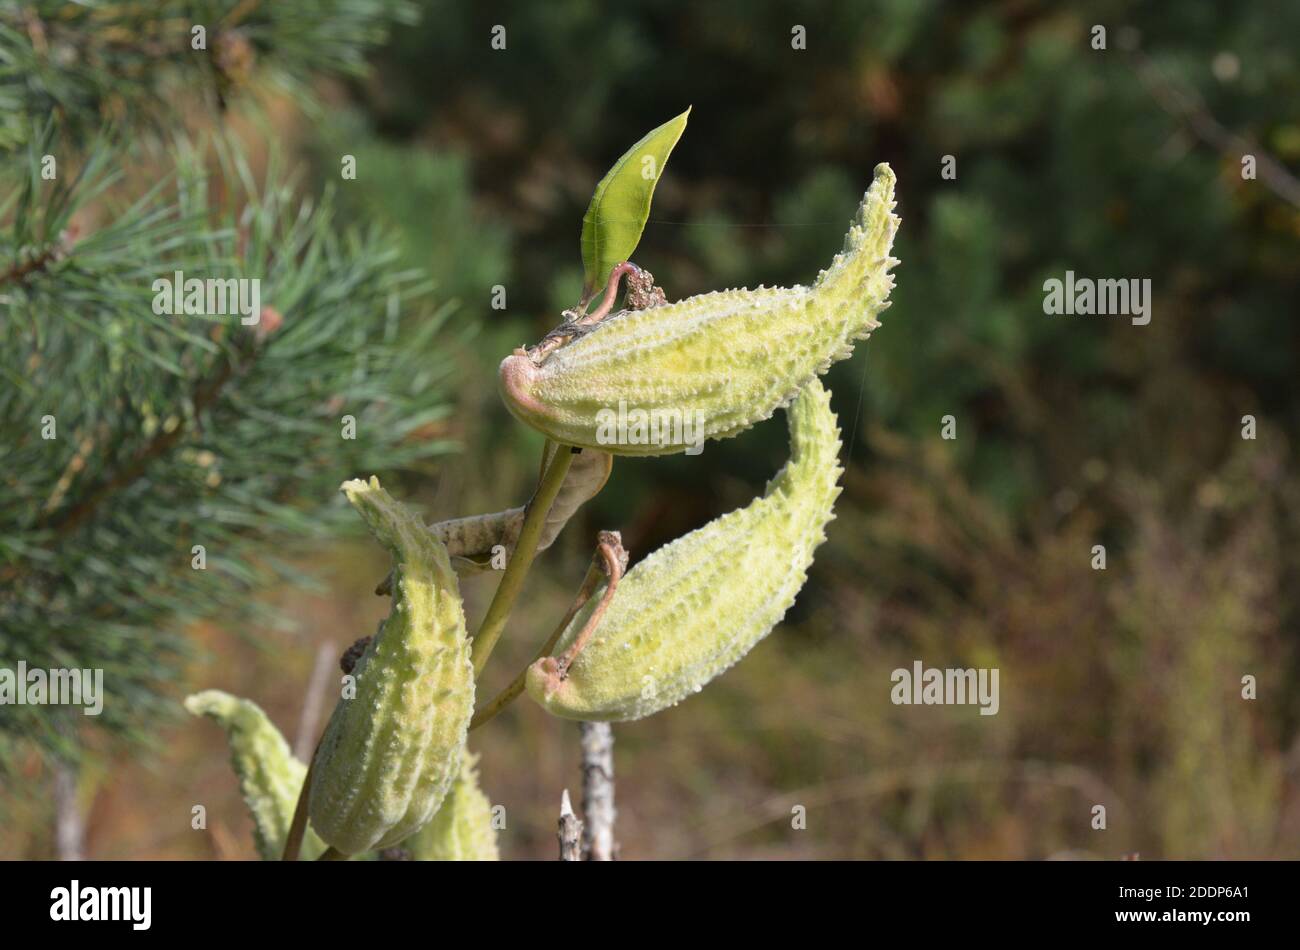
point(358, 485)
point(200, 704)
point(215, 703)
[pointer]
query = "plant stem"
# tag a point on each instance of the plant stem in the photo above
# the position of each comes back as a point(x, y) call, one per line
point(598, 811)
point(569, 831)
point(511, 692)
point(614, 558)
point(521, 560)
point(332, 854)
point(298, 827)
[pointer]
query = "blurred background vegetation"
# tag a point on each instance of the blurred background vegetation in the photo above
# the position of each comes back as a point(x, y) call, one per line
point(1119, 687)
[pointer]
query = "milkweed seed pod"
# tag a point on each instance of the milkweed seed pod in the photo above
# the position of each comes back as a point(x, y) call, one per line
point(270, 778)
point(461, 830)
point(696, 606)
point(389, 755)
point(658, 381)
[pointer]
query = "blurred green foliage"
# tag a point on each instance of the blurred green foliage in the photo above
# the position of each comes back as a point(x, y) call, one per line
point(1119, 687)
point(137, 442)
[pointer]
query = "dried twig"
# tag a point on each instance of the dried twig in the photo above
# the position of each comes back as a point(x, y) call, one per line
point(1184, 105)
point(569, 831)
point(598, 810)
point(314, 703)
point(70, 825)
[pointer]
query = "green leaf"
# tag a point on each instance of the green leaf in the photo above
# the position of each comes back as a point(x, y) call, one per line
point(617, 214)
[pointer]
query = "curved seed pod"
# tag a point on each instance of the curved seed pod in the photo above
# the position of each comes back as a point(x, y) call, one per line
point(470, 540)
point(708, 366)
point(696, 606)
point(462, 828)
point(389, 755)
point(270, 778)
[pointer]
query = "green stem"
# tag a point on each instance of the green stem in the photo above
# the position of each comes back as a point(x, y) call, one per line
point(511, 692)
point(521, 559)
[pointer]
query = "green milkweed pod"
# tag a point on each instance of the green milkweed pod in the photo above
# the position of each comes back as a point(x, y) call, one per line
point(270, 778)
point(658, 381)
point(696, 606)
point(461, 830)
point(389, 755)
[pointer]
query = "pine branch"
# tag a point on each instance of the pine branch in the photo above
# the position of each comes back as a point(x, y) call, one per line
point(180, 429)
point(20, 271)
point(139, 63)
point(205, 393)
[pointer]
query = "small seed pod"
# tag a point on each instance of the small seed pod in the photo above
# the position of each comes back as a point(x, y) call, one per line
point(270, 778)
point(696, 606)
point(659, 381)
point(389, 755)
point(461, 830)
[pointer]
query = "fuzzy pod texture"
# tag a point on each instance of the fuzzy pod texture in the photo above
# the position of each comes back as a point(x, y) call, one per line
point(390, 754)
point(693, 608)
point(270, 778)
point(461, 830)
point(724, 360)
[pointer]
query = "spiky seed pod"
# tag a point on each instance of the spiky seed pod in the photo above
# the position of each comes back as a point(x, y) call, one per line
point(389, 755)
point(270, 778)
point(696, 606)
point(725, 359)
point(461, 830)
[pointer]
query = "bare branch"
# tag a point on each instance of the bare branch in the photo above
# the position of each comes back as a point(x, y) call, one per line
point(1185, 105)
point(569, 831)
point(70, 825)
point(598, 810)
point(314, 703)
